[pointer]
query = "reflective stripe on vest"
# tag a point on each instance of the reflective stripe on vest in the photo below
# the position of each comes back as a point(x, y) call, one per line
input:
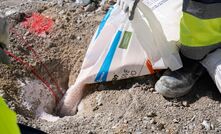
point(200, 30)
point(198, 53)
point(203, 10)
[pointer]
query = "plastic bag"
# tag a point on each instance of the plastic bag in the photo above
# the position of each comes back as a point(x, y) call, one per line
point(163, 18)
point(115, 53)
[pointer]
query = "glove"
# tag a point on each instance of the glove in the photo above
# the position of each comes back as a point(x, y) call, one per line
point(128, 6)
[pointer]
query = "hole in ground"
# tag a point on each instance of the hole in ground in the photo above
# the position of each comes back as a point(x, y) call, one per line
point(36, 94)
point(36, 98)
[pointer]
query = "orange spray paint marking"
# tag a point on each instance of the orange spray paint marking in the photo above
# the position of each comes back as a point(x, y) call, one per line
point(38, 23)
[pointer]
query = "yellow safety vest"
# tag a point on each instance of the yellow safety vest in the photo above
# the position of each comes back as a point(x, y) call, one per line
point(200, 28)
point(8, 121)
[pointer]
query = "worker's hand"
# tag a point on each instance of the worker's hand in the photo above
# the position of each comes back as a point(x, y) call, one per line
point(128, 6)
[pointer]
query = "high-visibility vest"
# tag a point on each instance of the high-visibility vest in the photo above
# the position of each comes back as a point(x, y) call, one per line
point(8, 121)
point(200, 28)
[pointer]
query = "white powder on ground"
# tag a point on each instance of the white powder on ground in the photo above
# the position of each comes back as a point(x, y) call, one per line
point(37, 98)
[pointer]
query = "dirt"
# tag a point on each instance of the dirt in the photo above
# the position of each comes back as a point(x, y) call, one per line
point(128, 106)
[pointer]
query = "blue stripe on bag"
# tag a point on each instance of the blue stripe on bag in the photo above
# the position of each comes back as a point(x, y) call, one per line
point(102, 74)
point(103, 22)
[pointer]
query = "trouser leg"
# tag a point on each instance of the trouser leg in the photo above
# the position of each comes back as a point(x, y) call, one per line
point(213, 65)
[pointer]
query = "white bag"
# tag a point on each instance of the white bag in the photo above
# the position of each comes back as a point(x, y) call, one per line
point(159, 19)
point(111, 56)
point(115, 53)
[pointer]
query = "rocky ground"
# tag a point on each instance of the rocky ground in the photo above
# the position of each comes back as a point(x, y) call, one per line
point(128, 106)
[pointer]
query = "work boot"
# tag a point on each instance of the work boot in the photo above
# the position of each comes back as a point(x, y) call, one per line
point(179, 82)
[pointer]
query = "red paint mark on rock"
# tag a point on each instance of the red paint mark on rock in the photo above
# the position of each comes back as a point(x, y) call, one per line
point(38, 23)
